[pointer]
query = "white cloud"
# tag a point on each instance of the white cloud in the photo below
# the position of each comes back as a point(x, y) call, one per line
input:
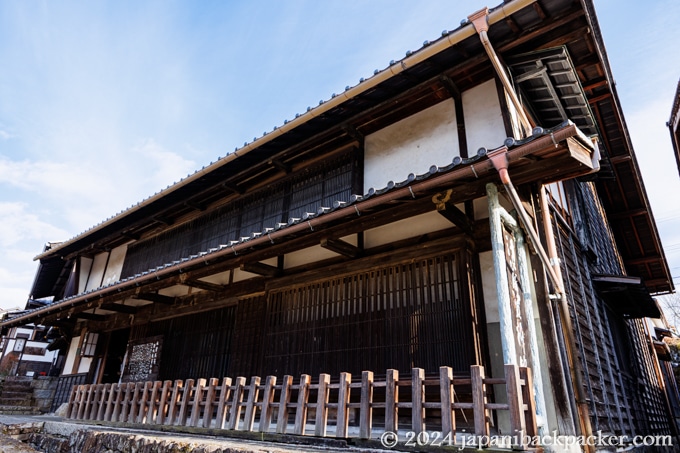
point(18, 225)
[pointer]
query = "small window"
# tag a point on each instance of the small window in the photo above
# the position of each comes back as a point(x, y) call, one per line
point(558, 198)
point(89, 344)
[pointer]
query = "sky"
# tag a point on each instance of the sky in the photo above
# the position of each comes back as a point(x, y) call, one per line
point(105, 103)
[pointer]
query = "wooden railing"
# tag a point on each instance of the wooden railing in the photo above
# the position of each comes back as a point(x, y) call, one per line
point(287, 408)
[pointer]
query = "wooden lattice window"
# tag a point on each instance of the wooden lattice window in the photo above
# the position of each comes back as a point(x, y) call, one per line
point(89, 344)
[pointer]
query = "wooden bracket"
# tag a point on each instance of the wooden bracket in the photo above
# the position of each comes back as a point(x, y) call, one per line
point(261, 269)
point(341, 247)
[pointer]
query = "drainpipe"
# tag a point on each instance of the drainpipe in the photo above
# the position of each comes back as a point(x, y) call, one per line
point(481, 23)
point(551, 263)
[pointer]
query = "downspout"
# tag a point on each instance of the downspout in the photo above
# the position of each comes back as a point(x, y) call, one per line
point(481, 24)
point(551, 263)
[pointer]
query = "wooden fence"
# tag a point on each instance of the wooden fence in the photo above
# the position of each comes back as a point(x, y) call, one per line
point(305, 408)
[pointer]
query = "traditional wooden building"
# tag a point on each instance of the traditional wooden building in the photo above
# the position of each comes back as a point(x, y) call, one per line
point(477, 202)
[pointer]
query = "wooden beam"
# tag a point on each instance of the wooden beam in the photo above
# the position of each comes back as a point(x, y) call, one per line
point(200, 284)
point(341, 247)
point(232, 187)
point(450, 87)
point(90, 316)
point(195, 206)
point(163, 220)
point(157, 298)
point(281, 166)
point(120, 308)
point(446, 208)
point(261, 269)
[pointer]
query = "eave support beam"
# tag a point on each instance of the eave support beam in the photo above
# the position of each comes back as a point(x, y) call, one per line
point(120, 308)
point(156, 298)
point(261, 269)
point(446, 208)
point(341, 247)
point(90, 316)
point(200, 284)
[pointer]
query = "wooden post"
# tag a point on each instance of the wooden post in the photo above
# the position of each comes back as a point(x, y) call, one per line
point(209, 402)
point(391, 401)
point(529, 399)
point(196, 406)
point(515, 403)
point(366, 415)
point(88, 402)
point(267, 400)
point(153, 406)
point(284, 400)
point(134, 402)
point(111, 401)
point(446, 394)
point(103, 400)
point(236, 401)
point(77, 401)
point(343, 405)
point(144, 401)
point(322, 406)
point(163, 406)
point(222, 406)
point(174, 401)
point(71, 401)
point(301, 408)
point(129, 387)
point(120, 393)
point(253, 394)
point(417, 400)
point(479, 400)
point(184, 405)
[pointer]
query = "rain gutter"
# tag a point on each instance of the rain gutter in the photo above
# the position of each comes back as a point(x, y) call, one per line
point(481, 20)
point(475, 171)
point(447, 41)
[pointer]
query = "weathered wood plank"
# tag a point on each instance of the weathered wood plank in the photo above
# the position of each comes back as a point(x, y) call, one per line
point(417, 399)
point(322, 405)
point(163, 405)
point(391, 401)
point(199, 390)
point(267, 401)
point(114, 391)
point(187, 391)
point(236, 400)
point(223, 405)
point(343, 402)
point(210, 405)
point(173, 404)
point(479, 400)
point(284, 401)
point(253, 394)
point(446, 394)
point(366, 409)
point(515, 403)
point(529, 399)
point(301, 407)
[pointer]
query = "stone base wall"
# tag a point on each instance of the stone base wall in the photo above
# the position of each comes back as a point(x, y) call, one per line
point(44, 388)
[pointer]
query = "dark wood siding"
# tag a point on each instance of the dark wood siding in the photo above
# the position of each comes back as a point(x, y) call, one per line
point(304, 192)
point(400, 316)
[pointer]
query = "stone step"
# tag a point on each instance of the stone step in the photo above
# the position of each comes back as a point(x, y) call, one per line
point(24, 401)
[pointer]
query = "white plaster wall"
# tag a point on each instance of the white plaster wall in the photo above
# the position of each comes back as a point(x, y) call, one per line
point(407, 228)
point(174, 291)
point(313, 254)
point(483, 119)
point(412, 145)
point(222, 278)
point(97, 271)
point(115, 265)
point(71, 355)
point(85, 267)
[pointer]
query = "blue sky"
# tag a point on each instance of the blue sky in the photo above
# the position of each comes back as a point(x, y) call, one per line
point(105, 103)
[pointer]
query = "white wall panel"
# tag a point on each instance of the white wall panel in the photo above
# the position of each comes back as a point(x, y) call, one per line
point(71, 355)
point(407, 228)
point(483, 119)
point(115, 265)
point(85, 267)
point(411, 145)
point(97, 271)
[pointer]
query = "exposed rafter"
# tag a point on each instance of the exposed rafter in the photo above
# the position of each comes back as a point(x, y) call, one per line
point(341, 247)
point(261, 269)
